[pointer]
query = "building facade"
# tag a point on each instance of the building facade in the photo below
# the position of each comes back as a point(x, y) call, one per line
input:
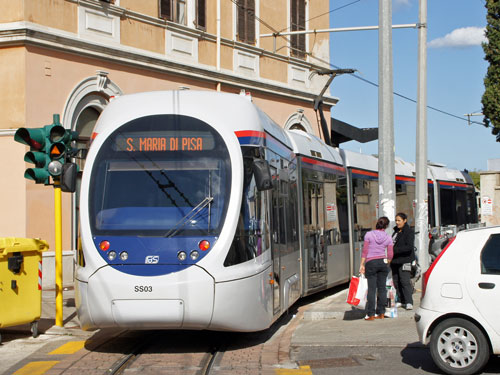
point(71, 57)
point(490, 193)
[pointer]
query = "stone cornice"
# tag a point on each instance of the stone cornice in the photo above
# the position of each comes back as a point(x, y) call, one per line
point(27, 33)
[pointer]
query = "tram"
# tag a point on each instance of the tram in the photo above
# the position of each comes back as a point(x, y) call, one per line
point(199, 212)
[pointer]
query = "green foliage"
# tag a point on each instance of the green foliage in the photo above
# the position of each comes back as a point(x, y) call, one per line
point(491, 96)
point(476, 178)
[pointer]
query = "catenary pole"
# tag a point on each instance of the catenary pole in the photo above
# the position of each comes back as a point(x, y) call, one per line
point(421, 215)
point(387, 183)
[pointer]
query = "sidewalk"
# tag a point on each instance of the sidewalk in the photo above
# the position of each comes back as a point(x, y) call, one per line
point(332, 322)
point(17, 341)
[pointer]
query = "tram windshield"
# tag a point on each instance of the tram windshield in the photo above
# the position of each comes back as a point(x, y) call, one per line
point(162, 175)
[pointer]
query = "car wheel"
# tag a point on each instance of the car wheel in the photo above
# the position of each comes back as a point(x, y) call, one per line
point(459, 347)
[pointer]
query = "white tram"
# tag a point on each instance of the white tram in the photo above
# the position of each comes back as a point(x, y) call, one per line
point(199, 212)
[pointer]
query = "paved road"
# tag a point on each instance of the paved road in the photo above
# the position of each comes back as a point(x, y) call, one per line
point(321, 335)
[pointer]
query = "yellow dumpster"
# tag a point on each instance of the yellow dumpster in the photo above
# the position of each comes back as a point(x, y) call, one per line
point(21, 281)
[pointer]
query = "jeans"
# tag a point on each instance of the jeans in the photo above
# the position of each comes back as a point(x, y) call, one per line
point(402, 284)
point(376, 272)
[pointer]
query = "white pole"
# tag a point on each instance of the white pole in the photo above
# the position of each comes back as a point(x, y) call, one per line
point(386, 169)
point(422, 215)
point(340, 29)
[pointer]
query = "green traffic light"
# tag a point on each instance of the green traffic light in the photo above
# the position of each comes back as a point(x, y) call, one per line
point(57, 151)
point(40, 159)
point(50, 149)
point(35, 138)
point(39, 175)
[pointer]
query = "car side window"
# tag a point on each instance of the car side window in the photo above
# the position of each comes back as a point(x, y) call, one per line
point(490, 256)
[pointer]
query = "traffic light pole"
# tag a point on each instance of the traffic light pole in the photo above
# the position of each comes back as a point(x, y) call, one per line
point(58, 240)
point(50, 152)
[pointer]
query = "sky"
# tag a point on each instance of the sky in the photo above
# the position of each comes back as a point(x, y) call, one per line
point(455, 72)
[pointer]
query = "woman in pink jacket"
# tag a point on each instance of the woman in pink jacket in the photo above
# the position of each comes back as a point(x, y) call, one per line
point(375, 259)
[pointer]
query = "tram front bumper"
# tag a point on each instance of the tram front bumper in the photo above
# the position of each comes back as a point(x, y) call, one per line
point(114, 299)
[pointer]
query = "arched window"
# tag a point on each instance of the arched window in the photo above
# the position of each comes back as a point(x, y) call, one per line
point(83, 107)
point(299, 121)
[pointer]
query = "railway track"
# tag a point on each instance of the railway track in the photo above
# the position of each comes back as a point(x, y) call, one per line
point(130, 361)
point(181, 352)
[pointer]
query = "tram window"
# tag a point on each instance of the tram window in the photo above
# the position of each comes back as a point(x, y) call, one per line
point(179, 192)
point(365, 200)
point(430, 206)
point(471, 207)
point(252, 236)
point(342, 209)
point(453, 207)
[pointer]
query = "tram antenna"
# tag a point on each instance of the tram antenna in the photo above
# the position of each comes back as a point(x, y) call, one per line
point(318, 101)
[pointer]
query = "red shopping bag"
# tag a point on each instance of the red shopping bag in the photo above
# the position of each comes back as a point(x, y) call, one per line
point(358, 288)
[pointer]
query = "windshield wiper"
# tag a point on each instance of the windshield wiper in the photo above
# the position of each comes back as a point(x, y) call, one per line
point(200, 206)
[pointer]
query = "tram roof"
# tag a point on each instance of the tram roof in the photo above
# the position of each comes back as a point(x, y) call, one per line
point(224, 111)
point(308, 144)
point(442, 173)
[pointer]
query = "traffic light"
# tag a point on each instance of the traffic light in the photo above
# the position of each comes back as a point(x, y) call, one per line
point(59, 146)
point(50, 148)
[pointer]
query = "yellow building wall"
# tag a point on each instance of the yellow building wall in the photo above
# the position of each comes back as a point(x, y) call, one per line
point(226, 15)
point(274, 14)
point(207, 52)
point(226, 57)
point(12, 189)
point(59, 14)
point(273, 69)
point(11, 10)
point(12, 110)
point(147, 7)
point(319, 43)
point(12, 80)
point(142, 35)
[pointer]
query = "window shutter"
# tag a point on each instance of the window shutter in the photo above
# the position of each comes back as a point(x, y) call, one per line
point(298, 23)
point(301, 42)
point(246, 21)
point(250, 24)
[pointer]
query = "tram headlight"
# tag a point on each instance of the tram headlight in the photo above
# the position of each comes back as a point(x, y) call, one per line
point(194, 254)
point(124, 256)
point(181, 255)
point(112, 255)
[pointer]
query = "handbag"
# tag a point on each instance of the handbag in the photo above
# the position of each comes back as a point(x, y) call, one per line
point(415, 271)
point(358, 289)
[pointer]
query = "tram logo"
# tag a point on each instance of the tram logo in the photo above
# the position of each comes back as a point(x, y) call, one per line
point(152, 259)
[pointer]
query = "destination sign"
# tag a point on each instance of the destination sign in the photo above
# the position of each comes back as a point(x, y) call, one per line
point(164, 141)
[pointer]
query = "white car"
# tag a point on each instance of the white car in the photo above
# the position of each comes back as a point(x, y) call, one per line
point(459, 314)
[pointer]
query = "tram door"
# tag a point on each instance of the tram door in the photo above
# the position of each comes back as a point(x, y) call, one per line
point(314, 226)
point(278, 237)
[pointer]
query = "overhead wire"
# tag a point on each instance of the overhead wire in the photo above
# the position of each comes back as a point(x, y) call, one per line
point(353, 74)
point(324, 14)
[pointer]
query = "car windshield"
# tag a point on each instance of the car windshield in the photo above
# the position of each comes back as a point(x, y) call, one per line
point(160, 176)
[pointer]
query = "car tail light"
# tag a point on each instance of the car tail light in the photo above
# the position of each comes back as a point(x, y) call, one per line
point(427, 273)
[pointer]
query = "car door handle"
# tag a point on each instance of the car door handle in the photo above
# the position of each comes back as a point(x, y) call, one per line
point(486, 285)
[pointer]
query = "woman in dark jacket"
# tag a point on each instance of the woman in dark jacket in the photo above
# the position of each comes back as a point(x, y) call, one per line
point(404, 254)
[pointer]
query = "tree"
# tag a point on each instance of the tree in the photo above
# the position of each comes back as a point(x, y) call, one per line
point(476, 179)
point(491, 96)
